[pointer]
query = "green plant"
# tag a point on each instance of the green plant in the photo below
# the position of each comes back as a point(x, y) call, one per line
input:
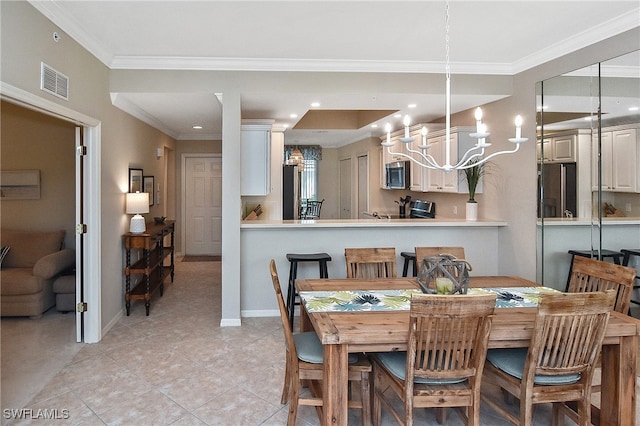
point(473, 175)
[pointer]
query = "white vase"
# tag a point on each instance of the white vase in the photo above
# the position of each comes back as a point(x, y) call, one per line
point(472, 211)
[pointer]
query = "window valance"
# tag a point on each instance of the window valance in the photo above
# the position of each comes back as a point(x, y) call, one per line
point(309, 152)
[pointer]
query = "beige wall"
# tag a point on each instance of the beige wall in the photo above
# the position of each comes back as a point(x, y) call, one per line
point(31, 140)
point(125, 141)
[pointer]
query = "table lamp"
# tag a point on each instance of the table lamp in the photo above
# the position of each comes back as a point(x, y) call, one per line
point(137, 202)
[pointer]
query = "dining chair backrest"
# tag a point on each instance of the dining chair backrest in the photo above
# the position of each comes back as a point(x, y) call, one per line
point(284, 316)
point(453, 331)
point(588, 275)
point(422, 252)
point(568, 333)
point(371, 262)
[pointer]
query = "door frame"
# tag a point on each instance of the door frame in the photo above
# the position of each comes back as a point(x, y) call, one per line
point(91, 332)
point(183, 191)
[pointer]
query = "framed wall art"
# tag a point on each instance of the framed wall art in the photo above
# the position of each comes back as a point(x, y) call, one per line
point(148, 187)
point(135, 180)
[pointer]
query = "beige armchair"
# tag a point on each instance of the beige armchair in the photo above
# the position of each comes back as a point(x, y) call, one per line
point(33, 262)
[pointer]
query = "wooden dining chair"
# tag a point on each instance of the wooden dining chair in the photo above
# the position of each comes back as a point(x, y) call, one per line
point(442, 367)
point(371, 262)
point(304, 357)
point(596, 275)
point(422, 252)
point(559, 363)
point(588, 275)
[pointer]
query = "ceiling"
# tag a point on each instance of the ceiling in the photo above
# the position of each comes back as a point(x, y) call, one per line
point(380, 38)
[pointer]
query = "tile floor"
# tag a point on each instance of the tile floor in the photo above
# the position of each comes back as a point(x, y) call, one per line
point(175, 367)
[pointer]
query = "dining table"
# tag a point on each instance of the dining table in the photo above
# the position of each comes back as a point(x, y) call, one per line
point(341, 312)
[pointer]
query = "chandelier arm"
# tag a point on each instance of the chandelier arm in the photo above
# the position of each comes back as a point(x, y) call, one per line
point(468, 156)
point(428, 164)
point(427, 157)
point(488, 157)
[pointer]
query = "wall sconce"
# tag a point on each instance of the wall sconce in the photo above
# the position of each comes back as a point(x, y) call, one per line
point(159, 152)
point(136, 203)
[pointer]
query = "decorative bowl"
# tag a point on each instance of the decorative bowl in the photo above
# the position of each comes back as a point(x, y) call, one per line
point(159, 219)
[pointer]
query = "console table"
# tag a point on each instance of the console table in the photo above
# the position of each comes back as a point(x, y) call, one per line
point(150, 266)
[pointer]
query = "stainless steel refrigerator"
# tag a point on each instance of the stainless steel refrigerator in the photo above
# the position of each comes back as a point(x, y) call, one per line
point(557, 188)
point(290, 192)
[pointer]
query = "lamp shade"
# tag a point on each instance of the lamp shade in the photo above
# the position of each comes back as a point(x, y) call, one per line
point(137, 202)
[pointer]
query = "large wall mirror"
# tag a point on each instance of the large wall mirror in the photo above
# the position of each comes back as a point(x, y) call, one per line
point(588, 156)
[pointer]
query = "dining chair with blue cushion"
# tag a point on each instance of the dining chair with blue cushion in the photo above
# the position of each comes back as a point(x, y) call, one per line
point(304, 358)
point(442, 367)
point(559, 363)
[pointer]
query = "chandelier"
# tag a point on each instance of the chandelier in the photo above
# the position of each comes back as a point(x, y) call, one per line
point(473, 156)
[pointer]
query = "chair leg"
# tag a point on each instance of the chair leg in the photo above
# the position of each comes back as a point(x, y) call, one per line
point(526, 411)
point(365, 395)
point(287, 383)
point(293, 399)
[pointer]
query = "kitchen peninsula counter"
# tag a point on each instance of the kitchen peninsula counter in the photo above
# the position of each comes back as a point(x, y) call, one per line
point(370, 223)
point(263, 240)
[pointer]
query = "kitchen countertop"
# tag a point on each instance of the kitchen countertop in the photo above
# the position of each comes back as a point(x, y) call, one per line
point(606, 221)
point(438, 222)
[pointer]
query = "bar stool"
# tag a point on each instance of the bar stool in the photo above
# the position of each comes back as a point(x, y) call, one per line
point(616, 256)
point(294, 258)
point(627, 253)
point(409, 257)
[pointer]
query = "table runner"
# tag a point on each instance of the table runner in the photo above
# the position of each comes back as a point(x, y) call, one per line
point(399, 300)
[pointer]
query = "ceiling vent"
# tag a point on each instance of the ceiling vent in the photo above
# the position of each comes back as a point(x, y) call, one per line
point(54, 82)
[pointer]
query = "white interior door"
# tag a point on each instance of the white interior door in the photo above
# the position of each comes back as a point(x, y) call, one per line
point(345, 188)
point(363, 185)
point(79, 234)
point(203, 205)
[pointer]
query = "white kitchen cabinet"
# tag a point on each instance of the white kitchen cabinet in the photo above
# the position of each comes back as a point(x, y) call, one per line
point(559, 148)
point(620, 160)
point(255, 158)
point(415, 183)
point(453, 181)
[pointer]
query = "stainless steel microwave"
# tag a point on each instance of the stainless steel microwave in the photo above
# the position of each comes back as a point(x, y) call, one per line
point(397, 175)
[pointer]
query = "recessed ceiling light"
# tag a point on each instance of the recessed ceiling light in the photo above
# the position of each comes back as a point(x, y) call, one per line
point(375, 126)
point(633, 109)
point(411, 106)
point(397, 116)
point(315, 104)
point(197, 126)
point(293, 115)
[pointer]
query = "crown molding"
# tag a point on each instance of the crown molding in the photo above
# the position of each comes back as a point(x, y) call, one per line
point(301, 65)
point(134, 110)
point(53, 11)
point(586, 38)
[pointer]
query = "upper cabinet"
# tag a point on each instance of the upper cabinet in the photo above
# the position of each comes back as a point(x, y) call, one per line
point(255, 159)
point(560, 148)
point(620, 160)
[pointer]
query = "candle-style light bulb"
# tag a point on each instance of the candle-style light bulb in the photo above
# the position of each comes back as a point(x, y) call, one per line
point(406, 122)
point(478, 116)
point(518, 127)
point(423, 132)
point(388, 129)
